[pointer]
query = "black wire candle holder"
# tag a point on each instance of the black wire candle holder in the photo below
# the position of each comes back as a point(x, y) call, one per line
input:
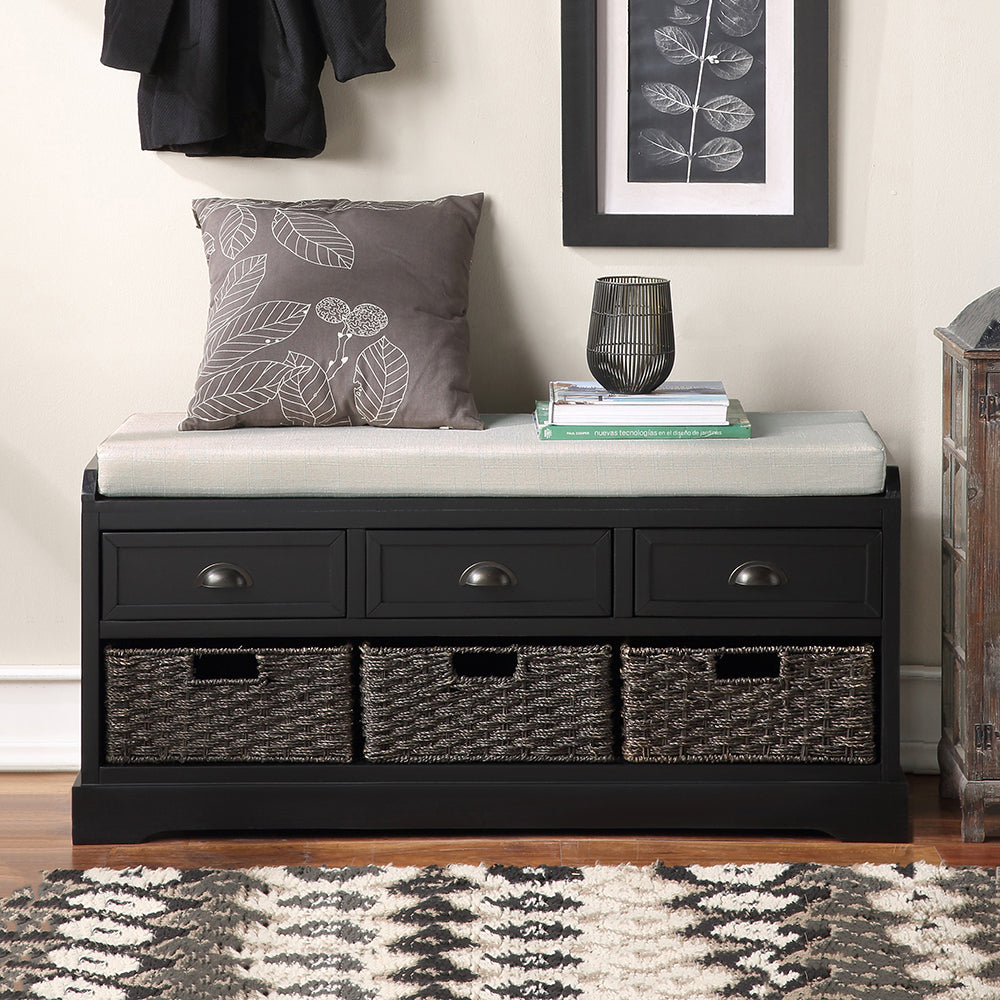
point(630, 347)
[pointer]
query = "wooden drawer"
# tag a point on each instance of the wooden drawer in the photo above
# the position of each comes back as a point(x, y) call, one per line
point(698, 573)
point(505, 573)
point(223, 574)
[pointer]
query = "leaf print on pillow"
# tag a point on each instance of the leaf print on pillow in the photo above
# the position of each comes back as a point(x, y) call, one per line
point(260, 326)
point(237, 231)
point(312, 238)
point(204, 207)
point(385, 206)
point(364, 320)
point(304, 395)
point(238, 288)
point(238, 390)
point(380, 381)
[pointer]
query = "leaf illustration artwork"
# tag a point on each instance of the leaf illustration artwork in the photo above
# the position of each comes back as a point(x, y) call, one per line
point(260, 326)
point(378, 206)
point(731, 62)
point(304, 394)
point(344, 204)
point(204, 207)
point(677, 45)
point(661, 147)
point(312, 237)
point(740, 17)
point(237, 289)
point(667, 97)
point(237, 391)
point(364, 320)
point(380, 381)
point(689, 80)
point(237, 231)
point(682, 16)
point(721, 154)
point(728, 114)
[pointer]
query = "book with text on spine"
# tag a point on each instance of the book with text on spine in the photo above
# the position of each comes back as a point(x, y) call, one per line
point(673, 403)
point(737, 426)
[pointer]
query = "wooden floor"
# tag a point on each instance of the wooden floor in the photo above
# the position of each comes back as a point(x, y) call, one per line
point(35, 836)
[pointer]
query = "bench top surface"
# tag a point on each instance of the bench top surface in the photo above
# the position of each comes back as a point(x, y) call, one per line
point(792, 453)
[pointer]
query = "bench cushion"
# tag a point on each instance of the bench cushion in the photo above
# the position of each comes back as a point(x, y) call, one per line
point(800, 453)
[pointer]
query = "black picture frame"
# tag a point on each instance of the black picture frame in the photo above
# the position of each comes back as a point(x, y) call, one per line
point(585, 225)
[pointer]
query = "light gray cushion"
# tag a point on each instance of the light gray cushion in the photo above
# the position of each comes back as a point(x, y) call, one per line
point(833, 453)
point(328, 313)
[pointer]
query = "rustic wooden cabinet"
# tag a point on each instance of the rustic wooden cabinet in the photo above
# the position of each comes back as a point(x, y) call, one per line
point(970, 604)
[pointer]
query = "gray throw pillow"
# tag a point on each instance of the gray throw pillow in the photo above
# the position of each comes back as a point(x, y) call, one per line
point(336, 312)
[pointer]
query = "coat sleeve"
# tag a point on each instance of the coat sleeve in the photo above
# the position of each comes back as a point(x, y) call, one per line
point(354, 36)
point(133, 31)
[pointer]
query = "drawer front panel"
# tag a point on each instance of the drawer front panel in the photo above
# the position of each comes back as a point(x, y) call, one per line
point(827, 572)
point(223, 574)
point(505, 573)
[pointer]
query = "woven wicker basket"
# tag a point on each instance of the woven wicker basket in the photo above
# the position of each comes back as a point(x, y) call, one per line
point(682, 705)
point(158, 709)
point(556, 705)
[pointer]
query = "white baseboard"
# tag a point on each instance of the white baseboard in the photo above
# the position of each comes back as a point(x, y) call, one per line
point(919, 718)
point(918, 757)
point(40, 718)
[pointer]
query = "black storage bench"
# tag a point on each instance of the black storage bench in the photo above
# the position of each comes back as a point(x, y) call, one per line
point(360, 630)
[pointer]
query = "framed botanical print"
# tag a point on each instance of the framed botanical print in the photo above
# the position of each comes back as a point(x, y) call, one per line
point(695, 123)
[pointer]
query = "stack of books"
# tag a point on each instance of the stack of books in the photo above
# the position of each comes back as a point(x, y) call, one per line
point(677, 410)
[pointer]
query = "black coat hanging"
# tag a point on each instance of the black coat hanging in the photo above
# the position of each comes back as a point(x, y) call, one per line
point(240, 77)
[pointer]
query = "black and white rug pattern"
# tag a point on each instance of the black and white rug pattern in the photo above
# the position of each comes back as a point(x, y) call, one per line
point(462, 932)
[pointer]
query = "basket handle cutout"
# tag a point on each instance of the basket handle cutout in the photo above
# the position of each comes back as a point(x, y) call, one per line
point(759, 664)
point(225, 667)
point(484, 662)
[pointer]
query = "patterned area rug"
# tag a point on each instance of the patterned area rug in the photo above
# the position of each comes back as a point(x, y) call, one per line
point(760, 931)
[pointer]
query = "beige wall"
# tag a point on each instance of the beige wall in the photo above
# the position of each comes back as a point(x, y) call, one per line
point(103, 288)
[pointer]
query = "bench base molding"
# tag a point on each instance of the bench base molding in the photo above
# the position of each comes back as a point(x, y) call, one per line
point(848, 810)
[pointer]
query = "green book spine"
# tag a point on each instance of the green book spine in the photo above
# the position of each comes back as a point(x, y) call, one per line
point(738, 427)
